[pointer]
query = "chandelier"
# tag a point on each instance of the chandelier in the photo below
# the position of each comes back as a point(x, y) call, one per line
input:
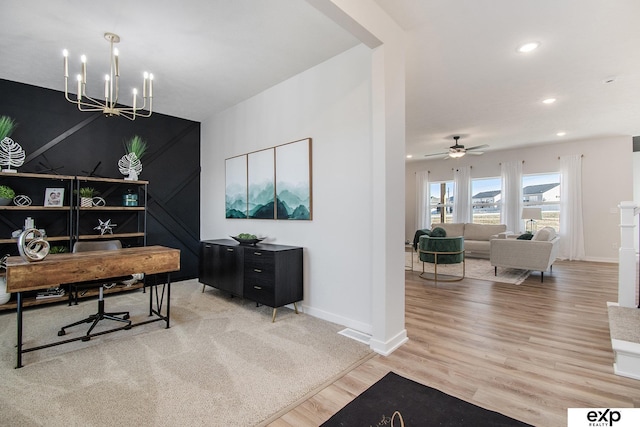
point(110, 105)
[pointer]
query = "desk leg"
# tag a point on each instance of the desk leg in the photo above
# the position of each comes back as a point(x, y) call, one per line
point(168, 297)
point(19, 322)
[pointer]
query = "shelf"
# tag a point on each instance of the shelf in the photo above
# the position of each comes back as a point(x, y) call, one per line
point(37, 175)
point(32, 301)
point(48, 239)
point(118, 181)
point(111, 208)
point(109, 236)
point(34, 208)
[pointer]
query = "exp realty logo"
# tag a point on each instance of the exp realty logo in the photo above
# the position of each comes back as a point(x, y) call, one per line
point(603, 417)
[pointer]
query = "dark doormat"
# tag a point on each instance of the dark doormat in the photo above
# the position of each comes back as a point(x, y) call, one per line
point(395, 401)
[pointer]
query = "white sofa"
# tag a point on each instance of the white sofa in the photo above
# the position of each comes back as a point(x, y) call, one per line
point(537, 254)
point(477, 237)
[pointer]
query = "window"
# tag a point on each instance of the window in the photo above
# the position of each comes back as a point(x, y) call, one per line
point(441, 205)
point(543, 191)
point(486, 200)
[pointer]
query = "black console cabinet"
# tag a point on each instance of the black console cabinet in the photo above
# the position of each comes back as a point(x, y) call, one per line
point(267, 274)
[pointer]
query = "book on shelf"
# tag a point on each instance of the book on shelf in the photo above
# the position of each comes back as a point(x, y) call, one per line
point(50, 293)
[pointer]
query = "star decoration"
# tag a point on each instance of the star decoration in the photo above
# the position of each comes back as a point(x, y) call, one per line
point(105, 226)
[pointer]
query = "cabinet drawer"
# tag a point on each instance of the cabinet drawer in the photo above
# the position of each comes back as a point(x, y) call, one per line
point(259, 294)
point(258, 257)
point(258, 277)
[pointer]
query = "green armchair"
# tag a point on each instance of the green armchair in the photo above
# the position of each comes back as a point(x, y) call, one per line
point(441, 250)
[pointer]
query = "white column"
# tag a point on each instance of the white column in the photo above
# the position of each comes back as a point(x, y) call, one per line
point(627, 256)
point(373, 27)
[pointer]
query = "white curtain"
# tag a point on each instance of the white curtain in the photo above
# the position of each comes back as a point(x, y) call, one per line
point(462, 194)
point(511, 195)
point(423, 201)
point(571, 224)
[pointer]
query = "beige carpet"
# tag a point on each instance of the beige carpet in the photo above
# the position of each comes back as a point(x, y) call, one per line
point(624, 323)
point(222, 363)
point(475, 268)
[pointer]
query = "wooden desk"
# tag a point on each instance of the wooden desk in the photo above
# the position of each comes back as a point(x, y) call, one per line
point(57, 269)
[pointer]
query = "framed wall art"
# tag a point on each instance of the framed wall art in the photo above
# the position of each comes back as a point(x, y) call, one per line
point(235, 204)
point(274, 183)
point(293, 180)
point(261, 184)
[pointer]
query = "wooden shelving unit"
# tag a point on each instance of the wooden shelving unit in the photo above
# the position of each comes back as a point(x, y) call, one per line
point(72, 222)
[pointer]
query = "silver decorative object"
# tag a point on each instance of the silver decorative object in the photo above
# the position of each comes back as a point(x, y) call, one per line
point(130, 165)
point(11, 154)
point(22, 200)
point(32, 245)
point(105, 227)
point(98, 201)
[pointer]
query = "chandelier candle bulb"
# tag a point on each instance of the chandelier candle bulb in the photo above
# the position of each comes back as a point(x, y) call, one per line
point(65, 54)
point(79, 87)
point(106, 87)
point(135, 92)
point(83, 58)
point(150, 85)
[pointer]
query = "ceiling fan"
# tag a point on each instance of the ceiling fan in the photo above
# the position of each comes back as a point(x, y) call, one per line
point(458, 150)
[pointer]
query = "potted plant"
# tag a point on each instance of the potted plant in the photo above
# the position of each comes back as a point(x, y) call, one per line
point(7, 125)
point(86, 196)
point(6, 195)
point(130, 164)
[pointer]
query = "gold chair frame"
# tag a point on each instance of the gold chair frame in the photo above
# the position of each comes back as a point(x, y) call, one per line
point(435, 268)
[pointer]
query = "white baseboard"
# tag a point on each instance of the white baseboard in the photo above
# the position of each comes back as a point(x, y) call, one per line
point(627, 358)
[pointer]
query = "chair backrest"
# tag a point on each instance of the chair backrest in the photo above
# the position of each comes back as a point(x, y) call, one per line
point(101, 245)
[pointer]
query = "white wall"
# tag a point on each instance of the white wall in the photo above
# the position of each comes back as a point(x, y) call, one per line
point(330, 103)
point(607, 178)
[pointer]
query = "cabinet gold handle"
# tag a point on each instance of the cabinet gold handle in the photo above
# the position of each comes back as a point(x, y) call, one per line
point(258, 288)
point(257, 270)
point(257, 253)
point(229, 250)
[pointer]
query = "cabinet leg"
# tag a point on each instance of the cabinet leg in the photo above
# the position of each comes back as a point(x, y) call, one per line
point(295, 307)
point(273, 317)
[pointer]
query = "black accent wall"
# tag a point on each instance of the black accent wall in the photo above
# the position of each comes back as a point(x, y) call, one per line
point(57, 138)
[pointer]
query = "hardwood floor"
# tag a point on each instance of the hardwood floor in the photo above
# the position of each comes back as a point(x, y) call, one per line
point(529, 351)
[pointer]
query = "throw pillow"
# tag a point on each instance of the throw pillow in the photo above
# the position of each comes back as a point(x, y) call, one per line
point(525, 236)
point(544, 234)
point(438, 232)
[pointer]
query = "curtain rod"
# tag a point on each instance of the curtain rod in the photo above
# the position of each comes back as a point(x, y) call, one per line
point(581, 155)
point(501, 163)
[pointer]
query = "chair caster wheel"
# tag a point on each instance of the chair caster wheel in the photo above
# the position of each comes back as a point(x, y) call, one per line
point(125, 317)
point(61, 333)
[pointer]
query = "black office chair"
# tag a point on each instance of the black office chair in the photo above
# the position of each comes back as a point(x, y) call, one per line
point(121, 316)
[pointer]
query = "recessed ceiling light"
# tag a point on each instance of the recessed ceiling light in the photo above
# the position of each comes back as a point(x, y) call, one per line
point(409, 156)
point(549, 101)
point(561, 133)
point(528, 47)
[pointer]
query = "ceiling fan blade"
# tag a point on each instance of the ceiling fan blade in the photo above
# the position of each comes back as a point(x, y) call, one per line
point(475, 153)
point(477, 147)
point(436, 154)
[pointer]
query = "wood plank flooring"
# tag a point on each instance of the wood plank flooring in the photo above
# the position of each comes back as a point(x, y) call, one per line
point(529, 351)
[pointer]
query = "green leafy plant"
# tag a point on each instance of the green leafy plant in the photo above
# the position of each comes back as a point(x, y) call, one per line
point(7, 125)
point(88, 192)
point(58, 249)
point(6, 192)
point(136, 145)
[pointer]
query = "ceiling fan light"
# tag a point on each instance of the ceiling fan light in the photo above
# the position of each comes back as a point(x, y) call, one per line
point(456, 154)
point(528, 47)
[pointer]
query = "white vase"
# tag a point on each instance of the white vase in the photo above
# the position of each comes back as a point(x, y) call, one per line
point(86, 202)
point(4, 296)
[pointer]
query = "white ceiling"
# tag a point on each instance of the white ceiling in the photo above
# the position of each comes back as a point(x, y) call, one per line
point(464, 76)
